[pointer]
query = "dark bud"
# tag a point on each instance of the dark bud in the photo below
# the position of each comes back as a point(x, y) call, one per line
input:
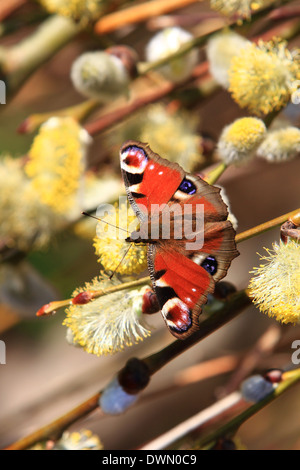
point(273, 375)
point(134, 377)
point(224, 444)
point(289, 230)
point(150, 302)
point(208, 145)
point(128, 57)
point(223, 290)
point(82, 298)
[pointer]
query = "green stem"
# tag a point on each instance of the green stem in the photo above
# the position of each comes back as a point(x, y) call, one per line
point(79, 112)
point(230, 309)
point(54, 429)
point(56, 304)
point(264, 227)
point(233, 425)
point(213, 175)
point(20, 61)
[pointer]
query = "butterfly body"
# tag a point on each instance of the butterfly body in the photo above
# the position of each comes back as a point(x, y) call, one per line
point(185, 257)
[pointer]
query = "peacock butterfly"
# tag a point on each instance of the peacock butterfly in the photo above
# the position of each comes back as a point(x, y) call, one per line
point(182, 274)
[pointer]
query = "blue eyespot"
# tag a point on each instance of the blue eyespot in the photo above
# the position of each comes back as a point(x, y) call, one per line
point(210, 265)
point(187, 186)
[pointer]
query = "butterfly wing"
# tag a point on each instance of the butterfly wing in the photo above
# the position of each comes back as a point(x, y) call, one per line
point(149, 179)
point(182, 279)
point(182, 272)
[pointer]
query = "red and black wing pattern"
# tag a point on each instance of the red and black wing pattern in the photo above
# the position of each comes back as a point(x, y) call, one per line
point(149, 179)
point(181, 278)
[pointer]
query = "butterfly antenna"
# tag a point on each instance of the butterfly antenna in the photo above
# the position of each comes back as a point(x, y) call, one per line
point(123, 257)
point(104, 221)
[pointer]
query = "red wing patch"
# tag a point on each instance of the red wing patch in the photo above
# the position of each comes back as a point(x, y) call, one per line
point(182, 277)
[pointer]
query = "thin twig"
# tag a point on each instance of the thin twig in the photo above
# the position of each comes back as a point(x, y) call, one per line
point(138, 13)
point(202, 418)
point(290, 11)
point(183, 20)
point(150, 97)
point(6, 9)
point(79, 112)
point(288, 380)
point(54, 429)
point(264, 227)
point(235, 305)
point(207, 369)
point(55, 305)
point(264, 346)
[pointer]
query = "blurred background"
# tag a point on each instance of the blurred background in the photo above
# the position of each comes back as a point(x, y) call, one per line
point(44, 376)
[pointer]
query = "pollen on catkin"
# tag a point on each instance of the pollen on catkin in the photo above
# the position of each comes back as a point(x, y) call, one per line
point(239, 140)
point(27, 223)
point(174, 136)
point(56, 163)
point(280, 145)
point(262, 77)
point(109, 323)
point(242, 8)
point(221, 48)
point(111, 247)
point(167, 42)
point(78, 440)
point(275, 285)
point(81, 11)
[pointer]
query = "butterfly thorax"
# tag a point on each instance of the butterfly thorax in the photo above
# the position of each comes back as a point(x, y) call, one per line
point(136, 238)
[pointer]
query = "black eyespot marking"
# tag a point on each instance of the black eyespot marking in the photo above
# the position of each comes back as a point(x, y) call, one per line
point(210, 265)
point(187, 186)
point(163, 294)
point(159, 274)
point(134, 148)
point(138, 195)
point(133, 178)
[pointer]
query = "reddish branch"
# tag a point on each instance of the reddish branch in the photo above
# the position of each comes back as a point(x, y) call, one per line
point(138, 13)
point(110, 119)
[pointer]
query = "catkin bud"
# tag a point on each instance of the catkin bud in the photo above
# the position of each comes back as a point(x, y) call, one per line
point(100, 75)
point(167, 42)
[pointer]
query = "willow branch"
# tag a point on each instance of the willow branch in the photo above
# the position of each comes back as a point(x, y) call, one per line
point(21, 60)
point(8, 8)
point(289, 379)
point(236, 303)
point(54, 429)
point(233, 307)
point(110, 119)
point(264, 227)
point(196, 422)
point(264, 346)
point(79, 112)
point(55, 305)
point(138, 13)
point(290, 11)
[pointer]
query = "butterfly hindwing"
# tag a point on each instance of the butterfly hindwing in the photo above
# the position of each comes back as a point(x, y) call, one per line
point(181, 287)
point(182, 273)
